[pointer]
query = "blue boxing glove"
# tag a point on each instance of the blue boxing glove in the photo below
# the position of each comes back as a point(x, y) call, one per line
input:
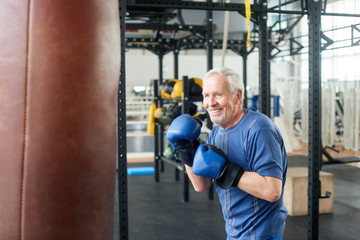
point(182, 135)
point(211, 162)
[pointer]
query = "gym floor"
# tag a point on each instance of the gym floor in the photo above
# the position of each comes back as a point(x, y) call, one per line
point(156, 210)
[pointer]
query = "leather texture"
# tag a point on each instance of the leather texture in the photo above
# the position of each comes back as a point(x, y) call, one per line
point(59, 66)
point(209, 162)
point(184, 127)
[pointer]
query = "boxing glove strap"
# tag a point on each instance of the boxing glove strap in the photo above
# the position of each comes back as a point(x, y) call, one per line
point(229, 176)
point(187, 151)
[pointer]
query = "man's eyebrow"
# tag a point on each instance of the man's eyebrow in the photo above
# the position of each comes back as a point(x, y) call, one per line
point(213, 92)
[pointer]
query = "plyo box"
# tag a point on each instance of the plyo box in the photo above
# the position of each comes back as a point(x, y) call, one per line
point(296, 191)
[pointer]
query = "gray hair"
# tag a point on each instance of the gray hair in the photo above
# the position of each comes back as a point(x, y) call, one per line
point(235, 83)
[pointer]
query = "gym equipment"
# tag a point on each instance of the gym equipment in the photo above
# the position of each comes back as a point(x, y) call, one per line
point(351, 119)
point(177, 91)
point(248, 18)
point(151, 121)
point(169, 151)
point(275, 106)
point(171, 112)
point(341, 160)
point(167, 88)
point(195, 88)
point(296, 187)
point(140, 171)
point(60, 66)
point(158, 113)
point(184, 106)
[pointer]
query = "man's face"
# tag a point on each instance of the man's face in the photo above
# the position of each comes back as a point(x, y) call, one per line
point(221, 104)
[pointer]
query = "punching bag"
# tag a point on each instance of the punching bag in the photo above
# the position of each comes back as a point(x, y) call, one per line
point(59, 74)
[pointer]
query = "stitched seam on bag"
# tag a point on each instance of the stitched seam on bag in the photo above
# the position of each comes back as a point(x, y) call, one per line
point(26, 112)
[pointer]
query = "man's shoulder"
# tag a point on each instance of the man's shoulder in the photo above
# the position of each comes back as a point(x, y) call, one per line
point(259, 119)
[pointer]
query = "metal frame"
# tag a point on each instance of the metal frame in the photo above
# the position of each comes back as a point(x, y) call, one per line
point(159, 138)
point(264, 63)
point(210, 49)
point(221, 6)
point(121, 131)
point(312, 8)
point(315, 145)
point(157, 130)
point(329, 44)
point(185, 109)
point(354, 28)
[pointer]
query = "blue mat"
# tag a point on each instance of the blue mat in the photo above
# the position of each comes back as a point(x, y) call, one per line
point(140, 170)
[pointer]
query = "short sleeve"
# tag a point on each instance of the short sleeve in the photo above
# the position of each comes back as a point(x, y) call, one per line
point(265, 152)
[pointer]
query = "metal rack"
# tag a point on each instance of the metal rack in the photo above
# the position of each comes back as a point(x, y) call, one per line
point(314, 9)
point(122, 200)
point(159, 158)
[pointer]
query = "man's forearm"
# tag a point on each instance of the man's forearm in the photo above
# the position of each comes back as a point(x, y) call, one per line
point(201, 184)
point(267, 188)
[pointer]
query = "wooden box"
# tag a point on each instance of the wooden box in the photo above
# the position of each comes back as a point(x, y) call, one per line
point(296, 189)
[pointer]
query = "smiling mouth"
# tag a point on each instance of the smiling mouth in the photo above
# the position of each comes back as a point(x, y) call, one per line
point(215, 111)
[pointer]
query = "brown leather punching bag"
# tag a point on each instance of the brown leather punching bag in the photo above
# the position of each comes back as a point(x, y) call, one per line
point(59, 72)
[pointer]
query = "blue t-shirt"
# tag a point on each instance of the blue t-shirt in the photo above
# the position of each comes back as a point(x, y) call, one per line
point(254, 143)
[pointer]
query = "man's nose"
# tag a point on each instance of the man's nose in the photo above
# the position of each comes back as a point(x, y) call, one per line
point(212, 101)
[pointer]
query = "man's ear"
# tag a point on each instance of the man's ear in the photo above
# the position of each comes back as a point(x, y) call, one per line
point(239, 95)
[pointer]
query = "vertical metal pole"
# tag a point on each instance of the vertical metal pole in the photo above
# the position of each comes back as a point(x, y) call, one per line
point(210, 49)
point(176, 75)
point(156, 134)
point(244, 54)
point(185, 109)
point(209, 39)
point(315, 145)
point(244, 57)
point(121, 115)
point(161, 137)
point(161, 57)
point(176, 63)
point(264, 64)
